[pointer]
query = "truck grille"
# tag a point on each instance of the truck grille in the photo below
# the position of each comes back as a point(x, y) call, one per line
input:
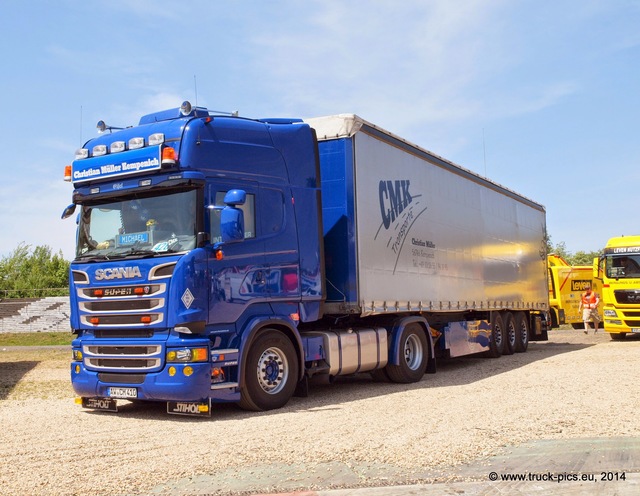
point(627, 296)
point(140, 358)
point(122, 306)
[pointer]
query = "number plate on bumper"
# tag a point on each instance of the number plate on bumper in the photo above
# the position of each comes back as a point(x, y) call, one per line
point(122, 392)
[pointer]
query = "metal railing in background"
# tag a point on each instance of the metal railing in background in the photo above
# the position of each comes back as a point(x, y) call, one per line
point(9, 294)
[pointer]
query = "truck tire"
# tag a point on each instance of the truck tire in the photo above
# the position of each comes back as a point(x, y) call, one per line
point(510, 333)
point(522, 332)
point(497, 339)
point(617, 336)
point(413, 356)
point(270, 372)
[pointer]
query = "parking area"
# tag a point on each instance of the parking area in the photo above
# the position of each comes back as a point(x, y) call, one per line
point(566, 408)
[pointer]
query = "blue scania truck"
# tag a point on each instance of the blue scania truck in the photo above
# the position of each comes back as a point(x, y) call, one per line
point(227, 259)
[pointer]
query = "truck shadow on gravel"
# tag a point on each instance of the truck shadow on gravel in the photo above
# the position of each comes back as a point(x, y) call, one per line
point(451, 372)
point(458, 371)
point(11, 373)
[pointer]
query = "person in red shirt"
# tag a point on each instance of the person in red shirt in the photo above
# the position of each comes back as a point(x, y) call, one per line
point(589, 306)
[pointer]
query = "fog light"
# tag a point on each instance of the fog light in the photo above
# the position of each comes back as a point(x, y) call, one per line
point(187, 371)
point(217, 375)
point(172, 371)
point(77, 369)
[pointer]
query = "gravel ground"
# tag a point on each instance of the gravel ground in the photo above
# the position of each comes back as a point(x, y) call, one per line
point(573, 386)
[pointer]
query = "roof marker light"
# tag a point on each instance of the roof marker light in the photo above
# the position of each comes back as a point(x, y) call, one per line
point(99, 150)
point(135, 143)
point(67, 173)
point(156, 139)
point(82, 153)
point(117, 146)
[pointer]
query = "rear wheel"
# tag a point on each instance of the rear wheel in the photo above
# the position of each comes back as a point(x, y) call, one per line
point(522, 332)
point(510, 333)
point(496, 342)
point(270, 374)
point(413, 356)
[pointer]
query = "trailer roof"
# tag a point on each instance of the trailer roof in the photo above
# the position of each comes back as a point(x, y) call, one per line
point(348, 125)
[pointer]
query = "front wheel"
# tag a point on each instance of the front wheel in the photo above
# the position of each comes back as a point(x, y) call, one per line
point(413, 356)
point(271, 372)
point(617, 336)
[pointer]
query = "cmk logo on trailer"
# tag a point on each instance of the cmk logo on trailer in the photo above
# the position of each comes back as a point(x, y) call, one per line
point(394, 198)
point(399, 210)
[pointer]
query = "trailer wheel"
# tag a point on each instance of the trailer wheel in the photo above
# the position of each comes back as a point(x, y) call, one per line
point(496, 342)
point(510, 333)
point(413, 359)
point(271, 372)
point(522, 332)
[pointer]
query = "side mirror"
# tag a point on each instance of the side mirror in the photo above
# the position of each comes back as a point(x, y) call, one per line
point(235, 197)
point(232, 224)
point(596, 269)
point(231, 218)
point(68, 212)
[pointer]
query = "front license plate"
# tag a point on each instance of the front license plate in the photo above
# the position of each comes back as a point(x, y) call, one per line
point(103, 404)
point(635, 329)
point(122, 392)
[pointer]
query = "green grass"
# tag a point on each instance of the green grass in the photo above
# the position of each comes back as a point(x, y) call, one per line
point(35, 338)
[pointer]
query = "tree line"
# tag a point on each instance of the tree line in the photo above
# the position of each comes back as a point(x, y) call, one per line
point(577, 258)
point(36, 272)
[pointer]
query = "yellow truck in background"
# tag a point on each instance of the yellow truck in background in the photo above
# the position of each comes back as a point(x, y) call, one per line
point(618, 268)
point(566, 284)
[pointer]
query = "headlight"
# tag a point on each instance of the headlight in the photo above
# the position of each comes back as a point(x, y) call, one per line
point(610, 313)
point(77, 356)
point(188, 355)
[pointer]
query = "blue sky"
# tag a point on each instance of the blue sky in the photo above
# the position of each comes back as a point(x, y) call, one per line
point(542, 97)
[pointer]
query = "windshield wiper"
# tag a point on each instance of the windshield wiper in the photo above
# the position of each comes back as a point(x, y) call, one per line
point(93, 258)
point(134, 252)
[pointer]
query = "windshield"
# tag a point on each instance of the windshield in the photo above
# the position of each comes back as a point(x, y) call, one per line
point(138, 226)
point(623, 266)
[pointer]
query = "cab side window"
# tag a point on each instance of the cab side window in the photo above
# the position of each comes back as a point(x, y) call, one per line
point(249, 209)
